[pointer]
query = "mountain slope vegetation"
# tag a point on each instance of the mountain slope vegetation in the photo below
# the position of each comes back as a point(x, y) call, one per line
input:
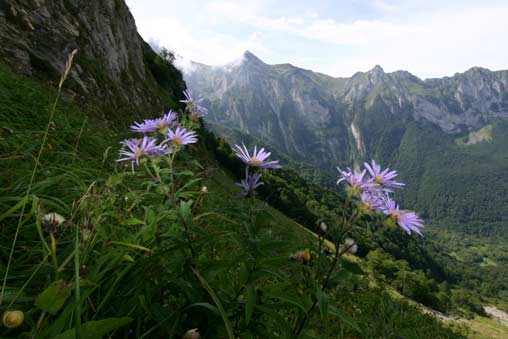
point(96, 247)
point(126, 274)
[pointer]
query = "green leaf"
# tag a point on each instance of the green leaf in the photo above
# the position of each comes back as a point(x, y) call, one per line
point(279, 319)
point(134, 246)
point(128, 258)
point(251, 302)
point(289, 299)
point(243, 272)
point(205, 305)
point(132, 221)
point(217, 302)
point(14, 208)
point(53, 297)
point(96, 329)
point(322, 299)
point(186, 212)
point(338, 276)
point(60, 323)
point(150, 217)
point(263, 219)
point(351, 266)
point(115, 180)
point(345, 318)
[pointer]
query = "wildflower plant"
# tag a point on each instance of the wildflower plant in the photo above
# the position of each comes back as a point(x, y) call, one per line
point(367, 195)
point(141, 251)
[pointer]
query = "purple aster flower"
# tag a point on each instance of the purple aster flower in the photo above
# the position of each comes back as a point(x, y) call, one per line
point(147, 126)
point(372, 199)
point(181, 137)
point(384, 177)
point(257, 159)
point(161, 124)
point(250, 183)
point(194, 104)
point(135, 149)
point(168, 120)
point(355, 179)
point(408, 220)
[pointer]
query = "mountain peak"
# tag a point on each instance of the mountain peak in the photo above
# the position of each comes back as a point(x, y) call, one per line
point(250, 57)
point(377, 69)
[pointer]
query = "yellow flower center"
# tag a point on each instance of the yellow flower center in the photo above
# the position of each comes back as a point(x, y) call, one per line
point(367, 205)
point(177, 141)
point(138, 153)
point(396, 215)
point(378, 178)
point(255, 162)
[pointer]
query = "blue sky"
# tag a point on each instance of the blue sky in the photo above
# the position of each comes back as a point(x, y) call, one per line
point(428, 38)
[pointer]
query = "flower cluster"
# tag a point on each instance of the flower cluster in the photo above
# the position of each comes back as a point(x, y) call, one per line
point(193, 105)
point(373, 186)
point(258, 161)
point(174, 136)
point(161, 124)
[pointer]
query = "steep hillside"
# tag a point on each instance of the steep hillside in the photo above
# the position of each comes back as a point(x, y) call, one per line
point(131, 282)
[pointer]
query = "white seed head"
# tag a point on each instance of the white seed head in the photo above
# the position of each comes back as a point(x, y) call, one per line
point(323, 226)
point(52, 220)
point(351, 244)
point(204, 189)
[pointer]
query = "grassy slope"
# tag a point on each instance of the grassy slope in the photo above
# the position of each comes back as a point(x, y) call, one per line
point(77, 154)
point(486, 328)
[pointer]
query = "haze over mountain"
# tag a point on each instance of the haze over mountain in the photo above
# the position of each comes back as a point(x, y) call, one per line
point(395, 118)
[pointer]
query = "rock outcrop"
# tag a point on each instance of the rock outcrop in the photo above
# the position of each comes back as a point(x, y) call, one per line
point(112, 66)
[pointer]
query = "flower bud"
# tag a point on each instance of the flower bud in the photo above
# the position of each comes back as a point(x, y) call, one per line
point(306, 255)
point(204, 189)
point(351, 245)
point(323, 227)
point(12, 319)
point(192, 334)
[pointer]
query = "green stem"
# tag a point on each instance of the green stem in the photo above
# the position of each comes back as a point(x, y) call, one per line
point(53, 256)
point(77, 141)
point(77, 283)
point(171, 177)
point(336, 257)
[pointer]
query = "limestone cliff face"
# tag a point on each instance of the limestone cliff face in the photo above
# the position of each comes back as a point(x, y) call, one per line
point(112, 64)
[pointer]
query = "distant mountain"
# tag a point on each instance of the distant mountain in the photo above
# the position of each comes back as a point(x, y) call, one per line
point(395, 118)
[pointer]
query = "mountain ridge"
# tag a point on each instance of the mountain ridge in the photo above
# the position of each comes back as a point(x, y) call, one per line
point(396, 118)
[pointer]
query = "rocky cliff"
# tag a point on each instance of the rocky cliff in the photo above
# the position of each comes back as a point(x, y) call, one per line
point(114, 66)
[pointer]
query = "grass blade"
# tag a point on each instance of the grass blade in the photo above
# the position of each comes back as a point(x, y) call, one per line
point(217, 302)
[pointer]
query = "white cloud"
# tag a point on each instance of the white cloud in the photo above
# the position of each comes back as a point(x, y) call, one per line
point(206, 47)
point(430, 44)
point(427, 38)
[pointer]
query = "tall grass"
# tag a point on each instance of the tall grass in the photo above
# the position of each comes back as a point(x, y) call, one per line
point(65, 73)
